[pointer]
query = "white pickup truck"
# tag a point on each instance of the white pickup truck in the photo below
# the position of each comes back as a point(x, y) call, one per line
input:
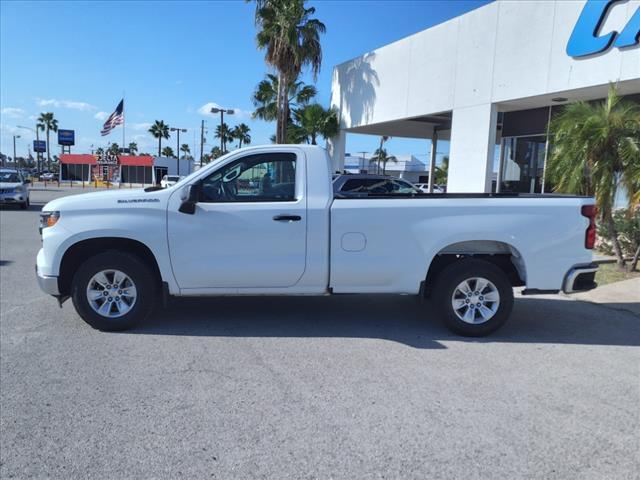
point(265, 221)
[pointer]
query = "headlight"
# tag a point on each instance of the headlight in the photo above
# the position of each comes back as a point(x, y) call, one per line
point(48, 219)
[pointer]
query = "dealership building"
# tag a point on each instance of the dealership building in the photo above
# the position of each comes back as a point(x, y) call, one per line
point(488, 82)
point(138, 169)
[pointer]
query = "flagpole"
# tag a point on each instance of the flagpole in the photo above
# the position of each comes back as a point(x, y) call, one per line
point(123, 121)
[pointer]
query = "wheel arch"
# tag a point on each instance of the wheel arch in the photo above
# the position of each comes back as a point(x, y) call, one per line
point(502, 254)
point(83, 249)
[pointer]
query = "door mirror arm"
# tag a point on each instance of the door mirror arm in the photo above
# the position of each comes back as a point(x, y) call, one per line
point(190, 196)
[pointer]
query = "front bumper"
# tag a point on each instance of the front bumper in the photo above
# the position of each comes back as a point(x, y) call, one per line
point(580, 278)
point(47, 284)
point(15, 197)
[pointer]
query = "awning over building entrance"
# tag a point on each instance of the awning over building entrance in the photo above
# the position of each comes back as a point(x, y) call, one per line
point(86, 159)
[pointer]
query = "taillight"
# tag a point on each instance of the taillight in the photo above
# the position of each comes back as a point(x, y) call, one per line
point(590, 211)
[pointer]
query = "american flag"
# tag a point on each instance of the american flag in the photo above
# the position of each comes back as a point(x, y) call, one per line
point(115, 119)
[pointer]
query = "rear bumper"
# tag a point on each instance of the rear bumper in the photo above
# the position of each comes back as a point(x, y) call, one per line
point(47, 284)
point(580, 278)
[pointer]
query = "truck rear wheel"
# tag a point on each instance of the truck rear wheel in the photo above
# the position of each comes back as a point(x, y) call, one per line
point(113, 291)
point(474, 297)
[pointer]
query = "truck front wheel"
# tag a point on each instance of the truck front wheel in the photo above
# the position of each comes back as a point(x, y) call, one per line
point(113, 291)
point(474, 297)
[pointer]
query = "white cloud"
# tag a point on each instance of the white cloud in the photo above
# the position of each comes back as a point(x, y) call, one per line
point(101, 115)
point(71, 104)
point(13, 112)
point(140, 126)
point(238, 113)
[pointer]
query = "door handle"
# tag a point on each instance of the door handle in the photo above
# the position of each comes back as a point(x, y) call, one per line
point(287, 218)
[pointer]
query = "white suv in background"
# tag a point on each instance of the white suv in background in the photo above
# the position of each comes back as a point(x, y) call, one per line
point(14, 188)
point(170, 180)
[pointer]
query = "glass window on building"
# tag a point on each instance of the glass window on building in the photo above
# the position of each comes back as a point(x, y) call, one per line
point(523, 164)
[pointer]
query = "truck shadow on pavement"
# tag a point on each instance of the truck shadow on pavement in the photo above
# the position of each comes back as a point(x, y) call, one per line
point(400, 319)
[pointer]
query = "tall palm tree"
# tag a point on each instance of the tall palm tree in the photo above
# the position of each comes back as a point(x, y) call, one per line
point(241, 133)
point(133, 148)
point(596, 149)
point(184, 148)
point(48, 123)
point(265, 97)
point(159, 130)
point(114, 149)
point(313, 121)
point(167, 152)
point(223, 132)
point(380, 156)
point(291, 39)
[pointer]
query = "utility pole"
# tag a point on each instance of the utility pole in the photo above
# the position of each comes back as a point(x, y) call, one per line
point(201, 142)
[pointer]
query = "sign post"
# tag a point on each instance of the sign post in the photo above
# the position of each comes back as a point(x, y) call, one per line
point(66, 138)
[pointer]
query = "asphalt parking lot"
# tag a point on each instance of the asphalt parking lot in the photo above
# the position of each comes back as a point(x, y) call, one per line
point(332, 387)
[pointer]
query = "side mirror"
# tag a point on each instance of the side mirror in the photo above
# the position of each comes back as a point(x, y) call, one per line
point(27, 181)
point(190, 196)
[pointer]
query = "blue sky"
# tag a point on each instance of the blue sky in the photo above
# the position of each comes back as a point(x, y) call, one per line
point(171, 59)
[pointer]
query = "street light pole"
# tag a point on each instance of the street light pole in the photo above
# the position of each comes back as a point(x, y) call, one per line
point(37, 140)
point(15, 162)
point(178, 145)
point(222, 111)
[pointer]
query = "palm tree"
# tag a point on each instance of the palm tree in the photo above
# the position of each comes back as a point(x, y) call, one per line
point(313, 121)
point(216, 153)
point(265, 98)
point(291, 39)
point(99, 151)
point(114, 149)
point(241, 133)
point(184, 148)
point(596, 149)
point(380, 156)
point(223, 132)
point(47, 122)
point(133, 148)
point(167, 152)
point(442, 172)
point(159, 130)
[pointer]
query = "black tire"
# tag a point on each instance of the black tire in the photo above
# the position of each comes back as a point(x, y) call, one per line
point(447, 283)
point(24, 205)
point(138, 271)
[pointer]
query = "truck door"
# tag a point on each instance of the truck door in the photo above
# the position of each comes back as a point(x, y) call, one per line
point(249, 228)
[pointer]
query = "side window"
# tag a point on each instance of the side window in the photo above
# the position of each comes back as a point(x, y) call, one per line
point(269, 177)
point(353, 185)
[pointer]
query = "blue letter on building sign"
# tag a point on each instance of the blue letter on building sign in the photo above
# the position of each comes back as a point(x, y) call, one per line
point(585, 38)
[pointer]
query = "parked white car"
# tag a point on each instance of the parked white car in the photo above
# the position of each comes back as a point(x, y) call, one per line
point(48, 176)
point(14, 188)
point(170, 180)
point(424, 188)
point(265, 221)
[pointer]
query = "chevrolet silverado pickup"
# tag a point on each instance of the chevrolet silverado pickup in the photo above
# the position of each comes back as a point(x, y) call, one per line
point(266, 221)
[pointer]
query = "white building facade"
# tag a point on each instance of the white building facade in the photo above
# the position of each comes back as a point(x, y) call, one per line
point(491, 79)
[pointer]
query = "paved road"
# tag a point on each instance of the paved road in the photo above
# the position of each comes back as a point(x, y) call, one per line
point(343, 387)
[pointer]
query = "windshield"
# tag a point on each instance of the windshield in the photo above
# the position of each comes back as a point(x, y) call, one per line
point(9, 177)
point(173, 178)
